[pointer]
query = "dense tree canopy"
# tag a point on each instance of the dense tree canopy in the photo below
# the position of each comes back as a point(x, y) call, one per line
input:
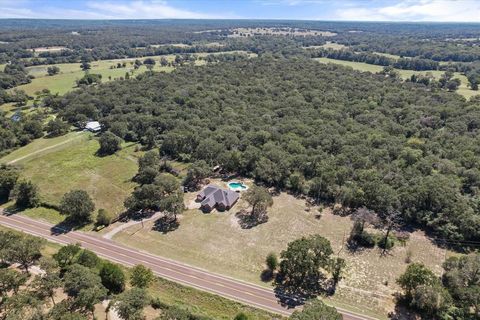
point(387, 145)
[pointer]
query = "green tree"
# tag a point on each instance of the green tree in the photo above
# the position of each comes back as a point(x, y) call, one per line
point(149, 63)
point(241, 316)
point(85, 66)
point(109, 143)
point(57, 127)
point(90, 79)
point(77, 205)
point(259, 199)
point(88, 259)
point(272, 262)
point(10, 281)
point(316, 310)
point(112, 277)
point(129, 305)
point(66, 255)
point(462, 280)
point(302, 265)
point(53, 70)
point(84, 286)
point(148, 167)
point(104, 218)
point(416, 275)
point(45, 284)
point(26, 251)
point(26, 195)
point(7, 240)
point(141, 276)
point(432, 300)
point(196, 173)
point(63, 311)
point(337, 267)
point(8, 178)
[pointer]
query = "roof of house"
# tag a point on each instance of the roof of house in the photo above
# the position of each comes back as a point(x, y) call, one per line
point(93, 125)
point(215, 195)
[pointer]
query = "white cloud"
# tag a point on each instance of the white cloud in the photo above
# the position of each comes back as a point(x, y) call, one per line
point(420, 10)
point(98, 9)
point(146, 10)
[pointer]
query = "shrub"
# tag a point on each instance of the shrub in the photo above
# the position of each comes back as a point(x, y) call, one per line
point(271, 261)
point(26, 195)
point(104, 218)
point(156, 303)
point(109, 143)
point(112, 277)
point(386, 243)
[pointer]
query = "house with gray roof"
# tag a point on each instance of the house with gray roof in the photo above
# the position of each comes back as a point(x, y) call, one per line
point(215, 197)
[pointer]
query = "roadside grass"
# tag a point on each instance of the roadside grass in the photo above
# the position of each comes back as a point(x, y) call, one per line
point(203, 303)
point(463, 90)
point(216, 242)
point(173, 294)
point(75, 165)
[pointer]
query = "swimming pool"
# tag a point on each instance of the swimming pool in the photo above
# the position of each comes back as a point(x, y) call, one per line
point(237, 186)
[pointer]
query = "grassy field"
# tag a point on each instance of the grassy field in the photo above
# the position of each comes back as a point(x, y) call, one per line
point(405, 74)
point(70, 163)
point(216, 242)
point(70, 72)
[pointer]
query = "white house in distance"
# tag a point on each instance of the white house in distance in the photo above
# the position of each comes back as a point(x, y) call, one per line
point(93, 126)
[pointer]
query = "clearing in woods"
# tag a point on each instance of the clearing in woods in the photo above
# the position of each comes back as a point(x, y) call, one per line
point(216, 242)
point(61, 164)
point(463, 90)
point(70, 72)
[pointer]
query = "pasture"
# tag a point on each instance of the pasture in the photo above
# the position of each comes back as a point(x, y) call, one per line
point(463, 90)
point(70, 162)
point(216, 242)
point(70, 72)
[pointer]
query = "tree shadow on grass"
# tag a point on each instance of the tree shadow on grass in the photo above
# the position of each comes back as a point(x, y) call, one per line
point(247, 221)
point(267, 275)
point(166, 224)
point(11, 210)
point(401, 311)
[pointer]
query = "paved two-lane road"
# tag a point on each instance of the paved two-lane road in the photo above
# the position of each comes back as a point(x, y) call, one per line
point(234, 289)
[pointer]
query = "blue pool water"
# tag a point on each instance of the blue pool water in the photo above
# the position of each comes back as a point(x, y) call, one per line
point(237, 186)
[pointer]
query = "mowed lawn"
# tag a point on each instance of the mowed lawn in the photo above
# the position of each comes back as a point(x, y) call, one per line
point(70, 162)
point(216, 242)
point(463, 90)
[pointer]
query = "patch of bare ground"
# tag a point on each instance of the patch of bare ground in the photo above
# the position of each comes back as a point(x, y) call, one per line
point(49, 49)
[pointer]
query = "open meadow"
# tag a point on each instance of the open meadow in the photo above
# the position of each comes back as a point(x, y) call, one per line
point(217, 243)
point(70, 72)
point(463, 89)
point(61, 164)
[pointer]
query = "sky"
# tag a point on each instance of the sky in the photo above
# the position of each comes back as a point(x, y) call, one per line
point(356, 10)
